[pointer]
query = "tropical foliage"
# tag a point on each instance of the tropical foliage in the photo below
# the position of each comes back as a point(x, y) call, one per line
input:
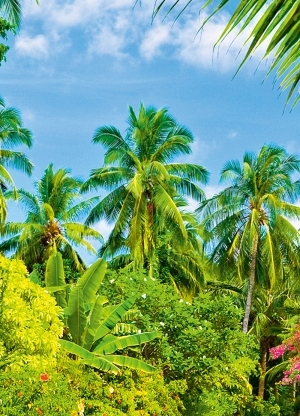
point(29, 320)
point(72, 388)
point(50, 223)
point(90, 324)
point(12, 133)
point(200, 301)
point(146, 187)
point(275, 23)
point(202, 342)
point(248, 222)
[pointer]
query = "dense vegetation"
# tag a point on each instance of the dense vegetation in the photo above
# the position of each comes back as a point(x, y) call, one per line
point(182, 312)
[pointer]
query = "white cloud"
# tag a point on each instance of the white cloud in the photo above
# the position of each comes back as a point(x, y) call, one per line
point(155, 38)
point(201, 151)
point(212, 190)
point(111, 28)
point(107, 43)
point(35, 47)
point(104, 228)
point(232, 134)
point(28, 115)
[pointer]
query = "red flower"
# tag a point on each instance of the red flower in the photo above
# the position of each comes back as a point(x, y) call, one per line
point(44, 377)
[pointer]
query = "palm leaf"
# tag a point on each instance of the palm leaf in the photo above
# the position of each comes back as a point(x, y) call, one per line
point(278, 25)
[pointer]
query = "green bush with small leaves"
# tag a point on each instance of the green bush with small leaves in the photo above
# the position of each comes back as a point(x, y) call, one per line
point(29, 320)
point(71, 388)
point(202, 342)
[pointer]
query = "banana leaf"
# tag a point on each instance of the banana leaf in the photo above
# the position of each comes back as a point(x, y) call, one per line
point(34, 277)
point(94, 319)
point(55, 277)
point(76, 317)
point(89, 358)
point(91, 279)
point(53, 289)
point(113, 318)
point(110, 344)
point(130, 362)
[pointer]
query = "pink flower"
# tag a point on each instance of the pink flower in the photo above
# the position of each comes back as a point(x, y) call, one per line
point(278, 351)
point(286, 380)
point(44, 377)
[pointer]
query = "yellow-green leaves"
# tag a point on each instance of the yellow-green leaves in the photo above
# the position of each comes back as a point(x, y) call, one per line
point(29, 319)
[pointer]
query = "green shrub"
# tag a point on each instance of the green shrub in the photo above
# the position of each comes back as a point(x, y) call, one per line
point(258, 407)
point(203, 343)
point(70, 387)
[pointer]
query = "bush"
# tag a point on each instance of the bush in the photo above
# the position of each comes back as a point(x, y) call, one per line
point(29, 321)
point(71, 388)
point(203, 342)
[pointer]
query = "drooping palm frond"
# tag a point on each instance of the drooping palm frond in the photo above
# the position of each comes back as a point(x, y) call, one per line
point(276, 23)
point(11, 11)
point(12, 134)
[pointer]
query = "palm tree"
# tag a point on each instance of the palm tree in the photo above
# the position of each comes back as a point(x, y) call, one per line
point(276, 23)
point(146, 189)
point(51, 221)
point(12, 134)
point(248, 222)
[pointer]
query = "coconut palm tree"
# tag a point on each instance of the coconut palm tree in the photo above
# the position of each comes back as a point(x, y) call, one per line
point(12, 134)
point(276, 23)
point(248, 222)
point(143, 181)
point(51, 222)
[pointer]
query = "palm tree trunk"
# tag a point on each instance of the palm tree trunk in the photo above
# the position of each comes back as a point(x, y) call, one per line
point(251, 284)
point(263, 365)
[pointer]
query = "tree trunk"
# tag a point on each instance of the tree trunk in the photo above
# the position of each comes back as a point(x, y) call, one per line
point(251, 284)
point(263, 365)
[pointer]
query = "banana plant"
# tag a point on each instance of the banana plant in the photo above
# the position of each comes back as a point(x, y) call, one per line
point(91, 322)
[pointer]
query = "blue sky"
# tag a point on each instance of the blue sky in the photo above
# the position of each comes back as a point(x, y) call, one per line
point(77, 65)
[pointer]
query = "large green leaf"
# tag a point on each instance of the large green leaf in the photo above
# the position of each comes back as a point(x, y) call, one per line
point(96, 315)
point(130, 362)
point(110, 344)
point(113, 318)
point(90, 281)
point(34, 277)
point(89, 358)
point(55, 278)
point(76, 317)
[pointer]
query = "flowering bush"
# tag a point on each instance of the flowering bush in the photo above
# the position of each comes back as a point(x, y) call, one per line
point(69, 389)
point(291, 346)
point(29, 320)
